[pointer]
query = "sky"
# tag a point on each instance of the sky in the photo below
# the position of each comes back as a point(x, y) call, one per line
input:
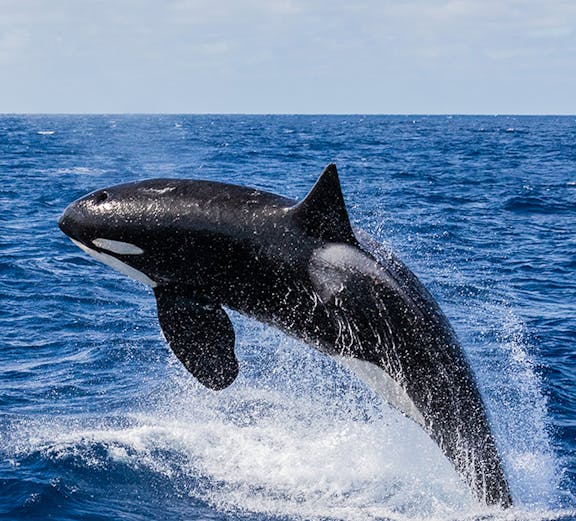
point(288, 56)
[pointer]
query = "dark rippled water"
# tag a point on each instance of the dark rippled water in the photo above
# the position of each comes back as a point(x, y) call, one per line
point(97, 419)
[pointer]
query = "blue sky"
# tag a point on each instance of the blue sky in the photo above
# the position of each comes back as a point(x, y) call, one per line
point(288, 56)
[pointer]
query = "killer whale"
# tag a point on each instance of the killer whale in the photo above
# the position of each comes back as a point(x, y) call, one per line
point(301, 267)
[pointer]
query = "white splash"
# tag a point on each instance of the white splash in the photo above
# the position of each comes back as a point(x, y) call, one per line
point(301, 441)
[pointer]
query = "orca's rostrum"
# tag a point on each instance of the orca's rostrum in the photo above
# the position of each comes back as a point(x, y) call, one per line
point(204, 245)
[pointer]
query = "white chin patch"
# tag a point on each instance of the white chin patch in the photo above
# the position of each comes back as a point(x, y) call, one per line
point(380, 382)
point(118, 265)
point(123, 248)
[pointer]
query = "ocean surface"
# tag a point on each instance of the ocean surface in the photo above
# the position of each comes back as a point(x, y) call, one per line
point(99, 421)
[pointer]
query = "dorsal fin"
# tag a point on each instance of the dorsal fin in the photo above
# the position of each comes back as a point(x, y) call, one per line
point(322, 213)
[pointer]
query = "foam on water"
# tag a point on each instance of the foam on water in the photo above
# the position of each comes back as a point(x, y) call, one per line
point(302, 440)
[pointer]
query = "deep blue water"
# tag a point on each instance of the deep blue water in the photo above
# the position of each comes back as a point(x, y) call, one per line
point(99, 421)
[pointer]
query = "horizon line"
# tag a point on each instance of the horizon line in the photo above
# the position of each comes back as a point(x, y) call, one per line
point(313, 114)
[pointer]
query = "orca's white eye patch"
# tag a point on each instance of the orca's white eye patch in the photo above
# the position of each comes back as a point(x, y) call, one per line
point(123, 248)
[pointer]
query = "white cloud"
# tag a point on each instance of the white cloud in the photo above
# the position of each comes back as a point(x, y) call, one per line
point(13, 41)
point(212, 48)
point(13, 44)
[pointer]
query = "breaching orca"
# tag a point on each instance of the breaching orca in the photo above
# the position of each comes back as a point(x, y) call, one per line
point(299, 266)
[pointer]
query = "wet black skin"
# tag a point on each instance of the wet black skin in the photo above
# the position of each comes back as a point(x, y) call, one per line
point(208, 245)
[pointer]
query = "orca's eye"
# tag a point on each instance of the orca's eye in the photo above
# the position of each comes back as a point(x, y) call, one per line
point(100, 197)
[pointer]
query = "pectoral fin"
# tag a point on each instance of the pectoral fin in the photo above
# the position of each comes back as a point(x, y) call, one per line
point(201, 336)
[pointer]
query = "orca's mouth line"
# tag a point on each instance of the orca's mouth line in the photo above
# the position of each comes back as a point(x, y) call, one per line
point(117, 264)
